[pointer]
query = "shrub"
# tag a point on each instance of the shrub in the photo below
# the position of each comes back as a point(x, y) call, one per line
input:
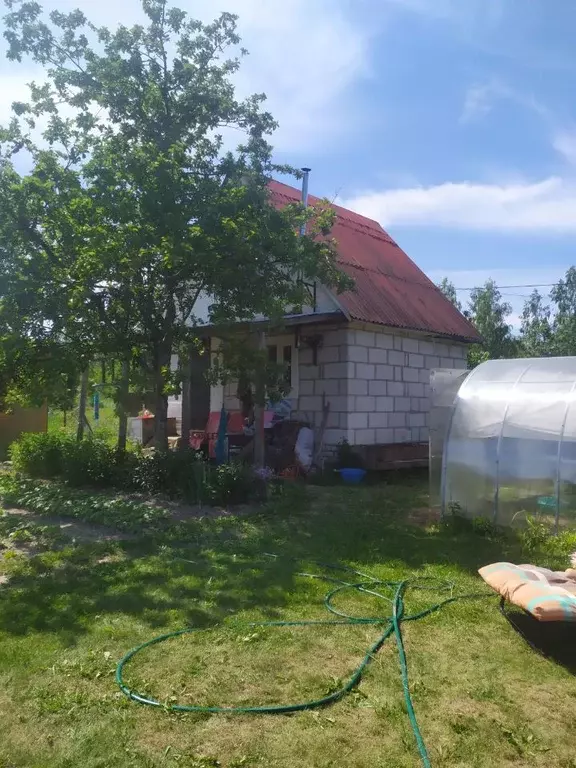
point(534, 536)
point(46, 455)
point(90, 462)
point(39, 455)
point(230, 484)
point(347, 457)
point(95, 463)
point(541, 545)
point(177, 474)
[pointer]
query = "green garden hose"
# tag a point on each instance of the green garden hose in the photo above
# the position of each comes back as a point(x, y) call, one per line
point(391, 625)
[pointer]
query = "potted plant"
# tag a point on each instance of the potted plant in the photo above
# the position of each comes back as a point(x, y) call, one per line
point(350, 464)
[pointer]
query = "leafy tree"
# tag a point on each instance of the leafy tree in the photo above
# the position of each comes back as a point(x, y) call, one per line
point(448, 289)
point(563, 294)
point(488, 312)
point(36, 364)
point(536, 333)
point(135, 206)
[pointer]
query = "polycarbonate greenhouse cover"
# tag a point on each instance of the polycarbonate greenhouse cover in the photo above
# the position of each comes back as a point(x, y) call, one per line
point(510, 445)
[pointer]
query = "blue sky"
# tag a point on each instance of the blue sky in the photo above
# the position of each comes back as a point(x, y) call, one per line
point(452, 122)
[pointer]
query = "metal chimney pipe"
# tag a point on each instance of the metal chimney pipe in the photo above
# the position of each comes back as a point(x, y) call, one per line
point(305, 179)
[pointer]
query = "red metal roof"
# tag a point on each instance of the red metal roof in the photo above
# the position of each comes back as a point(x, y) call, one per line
point(389, 288)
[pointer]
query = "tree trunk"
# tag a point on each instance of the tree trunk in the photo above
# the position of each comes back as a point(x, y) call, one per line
point(82, 404)
point(122, 412)
point(161, 403)
point(186, 369)
point(260, 399)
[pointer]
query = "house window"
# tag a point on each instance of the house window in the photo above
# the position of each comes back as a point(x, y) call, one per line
point(283, 351)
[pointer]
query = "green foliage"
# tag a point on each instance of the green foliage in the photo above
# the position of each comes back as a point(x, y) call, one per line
point(134, 207)
point(448, 289)
point(347, 457)
point(54, 499)
point(92, 462)
point(489, 313)
point(17, 531)
point(563, 294)
point(536, 333)
point(540, 544)
point(48, 455)
point(38, 455)
point(67, 617)
point(239, 358)
point(179, 474)
point(535, 535)
point(230, 484)
point(546, 329)
point(456, 523)
point(89, 462)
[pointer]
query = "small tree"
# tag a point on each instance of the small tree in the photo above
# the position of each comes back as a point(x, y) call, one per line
point(563, 294)
point(536, 334)
point(153, 209)
point(448, 289)
point(489, 313)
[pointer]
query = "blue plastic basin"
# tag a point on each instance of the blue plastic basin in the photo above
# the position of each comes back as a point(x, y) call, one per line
point(352, 476)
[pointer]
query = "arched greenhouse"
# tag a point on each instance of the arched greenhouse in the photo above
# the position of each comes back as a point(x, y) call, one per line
point(503, 440)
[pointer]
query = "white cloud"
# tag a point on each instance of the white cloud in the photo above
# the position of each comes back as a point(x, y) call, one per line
point(564, 142)
point(481, 98)
point(541, 207)
point(304, 56)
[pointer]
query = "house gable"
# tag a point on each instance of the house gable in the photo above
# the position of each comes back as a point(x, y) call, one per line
point(390, 290)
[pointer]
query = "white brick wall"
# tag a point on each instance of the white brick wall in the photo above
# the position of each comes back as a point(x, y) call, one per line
point(334, 377)
point(388, 385)
point(377, 383)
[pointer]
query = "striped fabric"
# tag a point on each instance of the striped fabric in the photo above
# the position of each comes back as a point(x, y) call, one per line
point(547, 595)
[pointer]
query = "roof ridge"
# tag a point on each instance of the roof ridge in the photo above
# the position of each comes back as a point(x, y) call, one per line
point(345, 214)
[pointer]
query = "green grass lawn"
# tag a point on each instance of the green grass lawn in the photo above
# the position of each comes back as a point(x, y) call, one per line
point(483, 697)
point(106, 427)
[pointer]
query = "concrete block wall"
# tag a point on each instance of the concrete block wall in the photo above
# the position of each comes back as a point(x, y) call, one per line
point(377, 383)
point(331, 376)
point(389, 398)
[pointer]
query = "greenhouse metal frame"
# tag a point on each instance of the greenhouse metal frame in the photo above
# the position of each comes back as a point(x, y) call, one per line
point(503, 440)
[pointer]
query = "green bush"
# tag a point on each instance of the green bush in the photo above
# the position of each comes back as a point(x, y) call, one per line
point(541, 545)
point(535, 535)
point(47, 455)
point(176, 474)
point(230, 484)
point(39, 455)
point(94, 463)
point(89, 462)
point(347, 457)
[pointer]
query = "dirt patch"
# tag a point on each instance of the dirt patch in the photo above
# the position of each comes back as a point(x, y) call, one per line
point(182, 512)
point(83, 532)
point(423, 517)
point(74, 529)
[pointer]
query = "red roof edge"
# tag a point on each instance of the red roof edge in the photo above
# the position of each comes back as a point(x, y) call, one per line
point(390, 289)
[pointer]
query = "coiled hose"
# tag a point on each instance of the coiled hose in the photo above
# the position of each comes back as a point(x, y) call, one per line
point(391, 624)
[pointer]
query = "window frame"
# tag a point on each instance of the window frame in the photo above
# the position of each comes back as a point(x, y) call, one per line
point(287, 341)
